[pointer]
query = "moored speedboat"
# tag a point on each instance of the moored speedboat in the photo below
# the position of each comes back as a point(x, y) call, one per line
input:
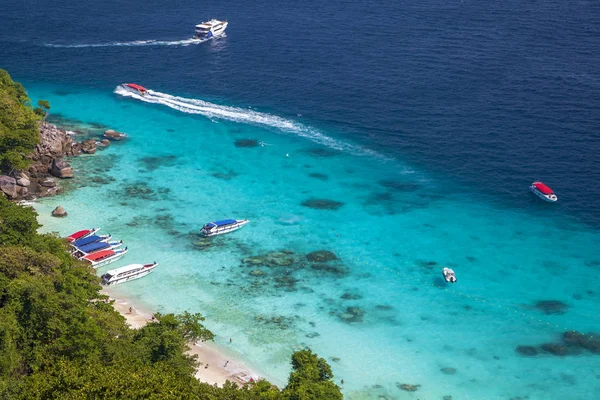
point(127, 273)
point(105, 257)
point(82, 234)
point(135, 88)
point(95, 247)
point(223, 226)
point(449, 275)
point(543, 192)
point(91, 239)
point(209, 29)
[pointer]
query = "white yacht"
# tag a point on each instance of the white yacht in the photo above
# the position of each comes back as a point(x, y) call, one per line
point(223, 226)
point(209, 29)
point(127, 273)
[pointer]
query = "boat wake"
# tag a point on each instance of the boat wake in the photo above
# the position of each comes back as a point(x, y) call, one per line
point(242, 115)
point(185, 42)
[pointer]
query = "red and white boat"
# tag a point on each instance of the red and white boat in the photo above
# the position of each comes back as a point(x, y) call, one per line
point(82, 234)
point(543, 192)
point(135, 88)
point(105, 257)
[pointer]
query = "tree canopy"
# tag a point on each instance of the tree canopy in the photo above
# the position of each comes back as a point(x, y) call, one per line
point(19, 132)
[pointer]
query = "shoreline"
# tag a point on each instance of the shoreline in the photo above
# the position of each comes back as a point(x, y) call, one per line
point(216, 366)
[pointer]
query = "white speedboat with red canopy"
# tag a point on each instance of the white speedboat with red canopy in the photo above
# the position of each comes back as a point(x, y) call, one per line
point(127, 273)
point(104, 257)
point(135, 88)
point(82, 234)
point(543, 192)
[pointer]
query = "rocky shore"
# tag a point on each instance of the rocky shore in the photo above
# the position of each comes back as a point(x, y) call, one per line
point(48, 164)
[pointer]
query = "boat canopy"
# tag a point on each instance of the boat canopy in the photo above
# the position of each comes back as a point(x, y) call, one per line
point(94, 247)
point(79, 234)
point(543, 188)
point(87, 240)
point(222, 222)
point(136, 87)
point(99, 255)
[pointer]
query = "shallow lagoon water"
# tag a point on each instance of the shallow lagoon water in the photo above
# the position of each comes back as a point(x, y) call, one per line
point(380, 314)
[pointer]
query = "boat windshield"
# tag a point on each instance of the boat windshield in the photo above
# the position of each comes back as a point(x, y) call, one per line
point(107, 276)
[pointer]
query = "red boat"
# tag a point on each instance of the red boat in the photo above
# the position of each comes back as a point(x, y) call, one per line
point(104, 257)
point(543, 192)
point(82, 234)
point(135, 88)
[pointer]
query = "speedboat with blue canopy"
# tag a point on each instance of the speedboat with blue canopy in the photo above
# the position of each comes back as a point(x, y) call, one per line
point(94, 247)
point(223, 226)
point(90, 240)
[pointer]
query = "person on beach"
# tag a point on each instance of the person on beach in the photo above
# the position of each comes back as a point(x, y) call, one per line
point(130, 310)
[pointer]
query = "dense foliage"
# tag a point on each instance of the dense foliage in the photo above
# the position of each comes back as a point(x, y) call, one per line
point(59, 338)
point(18, 124)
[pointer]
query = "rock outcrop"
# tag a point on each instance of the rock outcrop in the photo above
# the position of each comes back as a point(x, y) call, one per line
point(59, 212)
point(113, 135)
point(61, 169)
point(88, 146)
point(47, 160)
point(8, 186)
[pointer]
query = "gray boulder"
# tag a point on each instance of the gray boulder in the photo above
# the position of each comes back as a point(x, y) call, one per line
point(59, 212)
point(23, 182)
point(61, 169)
point(8, 186)
point(88, 146)
point(113, 135)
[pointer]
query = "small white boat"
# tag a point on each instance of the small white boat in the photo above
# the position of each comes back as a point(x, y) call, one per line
point(224, 226)
point(82, 234)
point(449, 275)
point(127, 273)
point(105, 257)
point(209, 29)
point(543, 192)
point(92, 248)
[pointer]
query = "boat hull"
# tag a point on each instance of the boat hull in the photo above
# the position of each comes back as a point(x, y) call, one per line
point(108, 261)
point(80, 254)
point(77, 235)
point(128, 278)
point(550, 198)
point(221, 230)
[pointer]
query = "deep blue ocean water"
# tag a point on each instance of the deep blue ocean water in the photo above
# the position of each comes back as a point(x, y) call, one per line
point(427, 120)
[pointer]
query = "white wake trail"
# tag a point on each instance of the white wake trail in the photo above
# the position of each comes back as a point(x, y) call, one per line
point(185, 42)
point(241, 115)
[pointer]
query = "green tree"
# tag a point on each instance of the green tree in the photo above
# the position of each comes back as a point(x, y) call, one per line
point(42, 109)
point(19, 132)
point(311, 378)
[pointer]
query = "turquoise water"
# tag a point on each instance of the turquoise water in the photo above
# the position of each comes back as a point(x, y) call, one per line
point(396, 227)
